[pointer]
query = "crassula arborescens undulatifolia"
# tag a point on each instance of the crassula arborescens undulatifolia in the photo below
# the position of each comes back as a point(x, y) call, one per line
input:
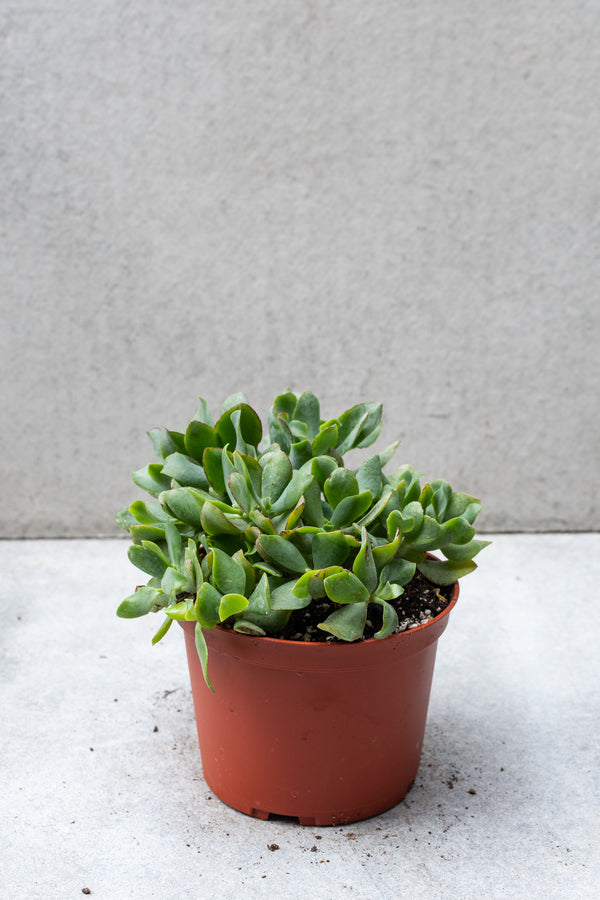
point(247, 527)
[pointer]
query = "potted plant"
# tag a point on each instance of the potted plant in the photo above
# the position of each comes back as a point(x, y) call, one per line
point(310, 600)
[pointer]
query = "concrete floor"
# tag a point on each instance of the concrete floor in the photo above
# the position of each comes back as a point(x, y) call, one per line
point(102, 782)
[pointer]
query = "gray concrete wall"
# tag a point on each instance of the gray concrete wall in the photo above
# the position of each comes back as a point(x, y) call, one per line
point(382, 200)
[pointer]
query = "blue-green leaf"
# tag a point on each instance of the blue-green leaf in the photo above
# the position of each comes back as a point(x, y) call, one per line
point(446, 571)
point(208, 600)
point(277, 550)
point(350, 509)
point(202, 651)
point(347, 623)
point(228, 575)
point(185, 471)
point(143, 601)
point(345, 587)
point(151, 479)
point(149, 558)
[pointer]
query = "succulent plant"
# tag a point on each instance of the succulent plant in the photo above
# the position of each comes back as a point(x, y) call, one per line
point(244, 536)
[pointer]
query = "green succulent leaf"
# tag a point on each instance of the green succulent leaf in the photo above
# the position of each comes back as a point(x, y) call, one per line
point(140, 603)
point(364, 564)
point(151, 479)
point(325, 440)
point(198, 437)
point(174, 582)
point(125, 519)
point(185, 504)
point(330, 549)
point(369, 476)
point(203, 413)
point(248, 426)
point(246, 626)
point(385, 553)
point(359, 426)
point(141, 533)
point(166, 442)
point(231, 605)
point(321, 467)
point(386, 455)
point(463, 505)
point(173, 539)
point(185, 471)
point(375, 511)
point(345, 587)
point(148, 513)
point(260, 598)
point(347, 623)
point(281, 553)
point(208, 600)
point(162, 630)
point(350, 509)
point(239, 491)
point(212, 463)
point(427, 536)
point(460, 552)
point(390, 619)
point(148, 557)
point(215, 522)
point(340, 484)
point(311, 584)
point(292, 493)
point(300, 453)
point(228, 575)
point(399, 571)
point(283, 597)
point(202, 651)
point(446, 571)
point(276, 475)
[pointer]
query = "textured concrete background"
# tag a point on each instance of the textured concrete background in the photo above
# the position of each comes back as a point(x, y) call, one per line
point(381, 200)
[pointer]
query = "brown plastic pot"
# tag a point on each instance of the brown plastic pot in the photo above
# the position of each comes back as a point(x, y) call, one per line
point(327, 733)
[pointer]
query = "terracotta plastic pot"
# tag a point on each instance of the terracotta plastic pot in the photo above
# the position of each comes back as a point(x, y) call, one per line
point(327, 733)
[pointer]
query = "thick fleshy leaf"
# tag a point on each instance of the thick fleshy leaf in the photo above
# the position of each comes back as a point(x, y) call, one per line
point(325, 440)
point(276, 475)
point(231, 605)
point(390, 619)
point(208, 600)
point(174, 582)
point(375, 510)
point(212, 463)
point(173, 539)
point(350, 509)
point(203, 413)
point(292, 493)
point(347, 623)
point(446, 571)
point(228, 575)
point(358, 426)
point(300, 453)
point(385, 553)
point(251, 469)
point(260, 598)
point(285, 404)
point(238, 489)
point(364, 564)
point(148, 557)
point(185, 471)
point(313, 508)
point(459, 552)
point(125, 519)
point(140, 603)
point(369, 476)
point(386, 455)
point(151, 479)
point(148, 513)
point(166, 442)
point(162, 630)
point(283, 597)
point(183, 611)
point(345, 587)
point(330, 549)
point(307, 410)
point(321, 468)
point(279, 433)
point(246, 626)
point(141, 533)
point(198, 437)
point(456, 531)
point(215, 522)
point(442, 492)
point(399, 571)
point(185, 504)
point(202, 651)
point(281, 553)
point(250, 426)
point(463, 505)
point(388, 591)
point(427, 536)
point(340, 484)
point(311, 584)
point(192, 566)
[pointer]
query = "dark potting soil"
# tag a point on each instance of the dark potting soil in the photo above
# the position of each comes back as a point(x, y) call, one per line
point(421, 602)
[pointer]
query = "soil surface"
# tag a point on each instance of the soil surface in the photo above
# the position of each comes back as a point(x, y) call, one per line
point(421, 602)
